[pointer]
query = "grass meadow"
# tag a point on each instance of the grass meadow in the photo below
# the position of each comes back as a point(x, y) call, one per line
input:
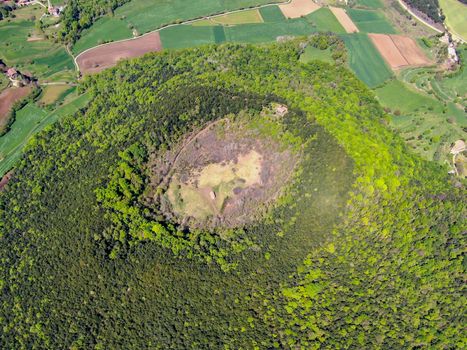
point(368, 21)
point(456, 16)
point(365, 60)
point(427, 124)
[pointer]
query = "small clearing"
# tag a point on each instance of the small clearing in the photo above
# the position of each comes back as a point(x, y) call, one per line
point(108, 55)
point(344, 19)
point(299, 8)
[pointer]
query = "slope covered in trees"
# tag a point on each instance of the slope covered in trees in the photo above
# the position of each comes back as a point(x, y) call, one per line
point(364, 250)
point(428, 7)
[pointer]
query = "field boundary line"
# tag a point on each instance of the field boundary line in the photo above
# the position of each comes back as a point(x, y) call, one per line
point(75, 58)
point(398, 49)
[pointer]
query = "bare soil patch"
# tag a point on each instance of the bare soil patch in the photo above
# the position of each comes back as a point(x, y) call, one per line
point(8, 98)
point(399, 51)
point(344, 19)
point(106, 56)
point(223, 176)
point(410, 50)
point(299, 8)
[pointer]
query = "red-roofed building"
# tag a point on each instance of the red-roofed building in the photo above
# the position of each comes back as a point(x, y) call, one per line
point(11, 73)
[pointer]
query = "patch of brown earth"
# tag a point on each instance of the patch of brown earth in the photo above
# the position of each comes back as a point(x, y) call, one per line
point(108, 55)
point(344, 19)
point(299, 8)
point(8, 98)
point(224, 176)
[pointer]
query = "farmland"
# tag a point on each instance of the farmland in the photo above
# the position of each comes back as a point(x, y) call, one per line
point(371, 21)
point(242, 17)
point(145, 16)
point(8, 98)
point(52, 93)
point(40, 57)
point(426, 124)
point(365, 60)
point(313, 53)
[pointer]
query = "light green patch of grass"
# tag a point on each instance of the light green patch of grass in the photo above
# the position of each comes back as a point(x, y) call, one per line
point(324, 21)
point(29, 121)
point(243, 17)
point(365, 60)
point(368, 21)
point(148, 15)
point(187, 36)
point(272, 14)
point(268, 32)
point(456, 16)
point(312, 53)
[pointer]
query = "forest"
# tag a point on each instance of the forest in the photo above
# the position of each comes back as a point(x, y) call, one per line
point(365, 249)
point(430, 8)
point(81, 14)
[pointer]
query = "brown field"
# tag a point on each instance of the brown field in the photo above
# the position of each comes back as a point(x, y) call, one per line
point(299, 8)
point(409, 48)
point(344, 19)
point(7, 99)
point(5, 179)
point(106, 56)
point(399, 51)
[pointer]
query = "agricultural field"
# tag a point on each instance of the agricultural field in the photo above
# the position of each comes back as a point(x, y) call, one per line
point(456, 16)
point(298, 8)
point(144, 16)
point(428, 125)
point(365, 60)
point(30, 120)
point(370, 21)
point(372, 4)
point(106, 56)
point(344, 19)
point(41, 58)
point(271, 14)
point(324, 20)
point(242, 17)
point(8, 98)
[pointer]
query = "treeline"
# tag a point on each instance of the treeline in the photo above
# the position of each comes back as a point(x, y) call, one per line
point(81, 14)
point(430, 8)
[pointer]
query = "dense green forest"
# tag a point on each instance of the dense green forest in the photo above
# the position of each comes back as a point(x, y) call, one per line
point(430, 8)
point(364, 251)
point(81, 14)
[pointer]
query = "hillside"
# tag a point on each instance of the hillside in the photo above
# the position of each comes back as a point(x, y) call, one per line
point(360, 246)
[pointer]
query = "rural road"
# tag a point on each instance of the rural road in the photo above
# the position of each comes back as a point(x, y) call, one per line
point(417, 17)
point(176, 24)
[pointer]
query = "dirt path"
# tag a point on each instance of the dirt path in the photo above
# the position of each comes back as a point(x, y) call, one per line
point(405, 7)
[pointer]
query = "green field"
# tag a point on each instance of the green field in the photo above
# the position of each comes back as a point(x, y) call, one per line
point(370, 21)
point(425, 123)
point(312, 53)
point(324, 21)
point(456, 16)
point(188, 36)
point(30, 120)
point(148, 15)
point(365, 60)
point(373, 4)
point(272, 14)
point(248, 16)
point(42, 58)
